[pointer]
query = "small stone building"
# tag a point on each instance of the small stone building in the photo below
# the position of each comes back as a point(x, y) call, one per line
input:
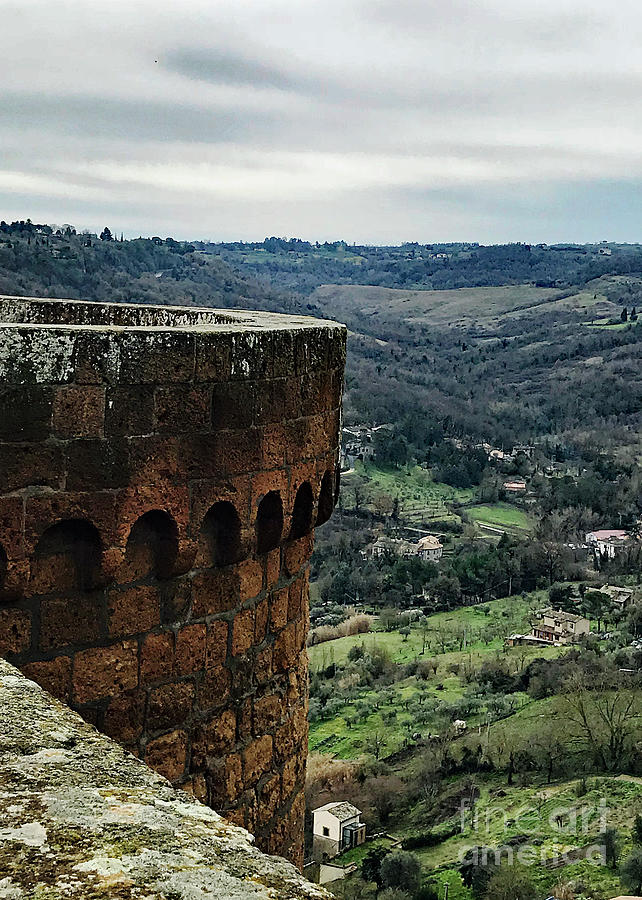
point(336, 827)
point(558, 627)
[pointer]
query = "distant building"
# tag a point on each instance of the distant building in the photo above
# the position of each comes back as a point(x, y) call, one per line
point(620, 597)
point(336, 827)
point(557, 627)
point(608, 541)
point(515, 487)
point(429, 548)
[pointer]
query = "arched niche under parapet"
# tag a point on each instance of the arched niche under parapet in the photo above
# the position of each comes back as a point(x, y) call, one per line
point(220, 536)
point(269, 522)
point(68, 556)
point(301, 523)
point(326, 498)
point(152, 546)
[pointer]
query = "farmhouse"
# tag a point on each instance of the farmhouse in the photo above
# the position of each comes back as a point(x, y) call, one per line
point(608, 541)
point(336, 827)
point(558, 627)
point(621, 597)
point(515, 487)
point(428, 548)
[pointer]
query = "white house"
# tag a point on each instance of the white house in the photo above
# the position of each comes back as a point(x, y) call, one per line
point(429, 548)
point(607, 540)
point(558, 627)
point(336, 827)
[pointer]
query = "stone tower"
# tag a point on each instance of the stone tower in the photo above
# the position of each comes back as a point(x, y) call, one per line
point(162, 471)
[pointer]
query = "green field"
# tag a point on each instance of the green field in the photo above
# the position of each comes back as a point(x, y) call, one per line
point(458, 640)
point(501, 515)
point(419, 496)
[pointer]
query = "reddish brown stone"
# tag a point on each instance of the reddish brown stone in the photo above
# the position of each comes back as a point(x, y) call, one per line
point(124, 717)
point(167, 755)
point(216, 644)
point(268, 712)
point(279, 609)
point(243, 631)
point(53, 675)
point(214, 739)
point(257, 759)
point(225, 780)
point(105, 671)
point(214, 689)
point(261, 620)
point(296, 554)
point(250, 578)
point(15, 631)
point(286, 650)
point(133, 610)
point(272, 568)
point(169, 704)
point(214, 591)
point(269, 794)
point(181, 408)
point(295, 600)
point(157, 657)
point(190, 649)
point(79, 411)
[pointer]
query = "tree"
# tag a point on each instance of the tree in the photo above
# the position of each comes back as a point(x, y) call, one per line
point(596, 605)
point(610, 840)
point(604, 719)
point(371, 865)
point(631, 871)
point(105, 234)
point(637, 830)
point(624, 315)
point(393, 893)
point(401, 870)
point(510, 883)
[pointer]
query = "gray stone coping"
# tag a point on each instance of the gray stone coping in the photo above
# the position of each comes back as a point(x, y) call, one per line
point(80, 314)
point(81, 818)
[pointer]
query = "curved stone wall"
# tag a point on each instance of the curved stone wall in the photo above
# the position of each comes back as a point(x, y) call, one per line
point(161, 474)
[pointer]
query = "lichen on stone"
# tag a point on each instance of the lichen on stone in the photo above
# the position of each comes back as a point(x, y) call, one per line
point(81, 818)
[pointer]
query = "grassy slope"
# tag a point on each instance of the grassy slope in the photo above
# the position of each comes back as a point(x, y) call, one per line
point(499, 617)
point(413, 486)
point(501, 515)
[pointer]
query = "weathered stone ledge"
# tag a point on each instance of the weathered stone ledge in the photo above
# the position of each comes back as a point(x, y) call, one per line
point(81, 818)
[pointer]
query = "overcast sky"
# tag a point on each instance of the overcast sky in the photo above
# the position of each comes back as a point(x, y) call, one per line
point(371, 120)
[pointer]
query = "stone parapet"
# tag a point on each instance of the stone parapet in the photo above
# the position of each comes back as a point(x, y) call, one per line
point(161, 474)
point(81, 818)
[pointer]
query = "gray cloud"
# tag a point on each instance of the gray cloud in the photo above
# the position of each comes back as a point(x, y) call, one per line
point(382, 121)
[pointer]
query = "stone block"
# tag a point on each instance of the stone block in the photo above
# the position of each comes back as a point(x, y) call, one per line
point(74, 620)
point(286, 650)
point(25, 413)
point(157, 657)
point(182, 408)
point(133, 610)
point(217, 633)
point(130, 410)
point(214, 689)
point(124, 717)
point(242, 632)
point(233, 405)
point(167, 755)
point(79, 412)
point(268, 712)
point(25, 465)
point(54, 675)
point(257, 759)
point(190, 649)
point(261, 620)
point(279, 603)
point(250, 575)
point(105, 671)
point(169, 705)
point(214, 591)
point(214, 738)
